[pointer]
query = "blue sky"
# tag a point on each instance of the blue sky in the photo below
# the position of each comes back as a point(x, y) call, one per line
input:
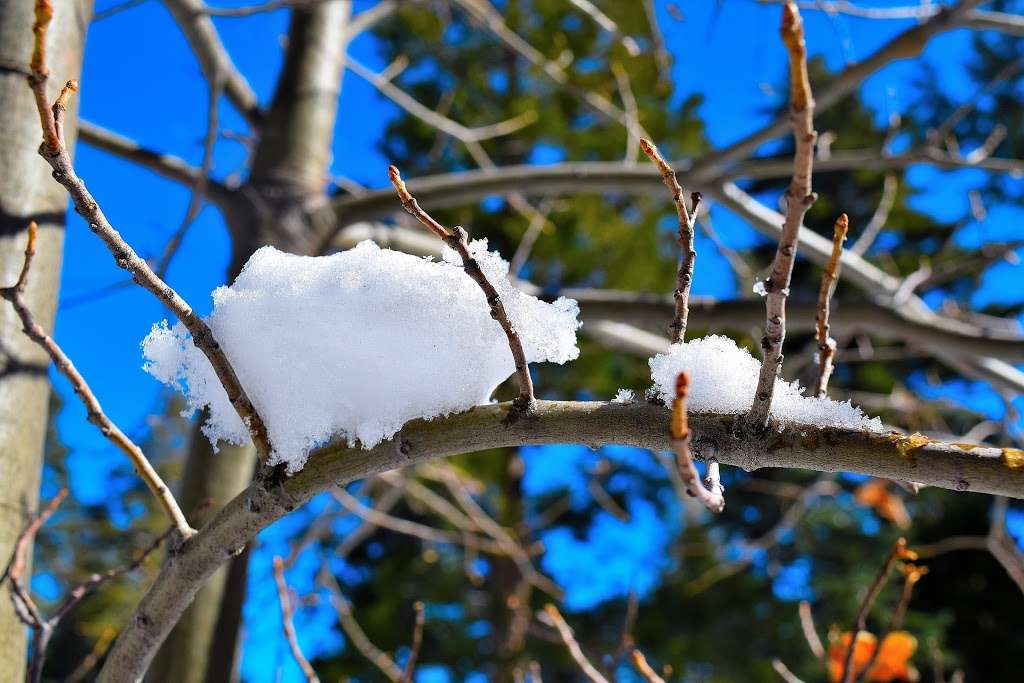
point(141, 80)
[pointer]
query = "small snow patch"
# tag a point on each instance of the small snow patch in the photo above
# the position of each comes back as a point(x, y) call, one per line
point(624, 396)
point(356, 344)
point(723, 378)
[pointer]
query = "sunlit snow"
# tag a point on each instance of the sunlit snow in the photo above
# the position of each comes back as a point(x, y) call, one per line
point(723, 378)
point(356, 344)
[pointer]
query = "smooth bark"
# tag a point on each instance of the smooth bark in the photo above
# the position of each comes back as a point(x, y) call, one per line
point(27, 192)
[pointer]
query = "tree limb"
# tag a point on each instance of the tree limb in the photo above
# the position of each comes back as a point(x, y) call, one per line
point(962, 468)
point(213, 57)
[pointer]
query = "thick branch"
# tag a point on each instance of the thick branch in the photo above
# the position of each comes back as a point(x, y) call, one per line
point(985, 469)
point(164, 165)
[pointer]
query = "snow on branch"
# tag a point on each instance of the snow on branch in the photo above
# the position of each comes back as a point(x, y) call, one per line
point(356, 344)
point(894, 456)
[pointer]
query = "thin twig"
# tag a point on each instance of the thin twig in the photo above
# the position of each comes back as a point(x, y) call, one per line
point(457, 240)
point(826, 344)
point(575, 651)
point(285, 598)
point(355, 633)
point(912, 574)
point(645, 670)
point(784, 672)
point(899, 551)
point(798, 200)
point(710, 492)
point(810, 630)
point(199, 187)
point(867, 237)
point(95, 414)
point(684, 277)
point(56, 154)
point(26, 609)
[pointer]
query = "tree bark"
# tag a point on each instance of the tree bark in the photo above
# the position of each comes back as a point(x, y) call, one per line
point(287, 182)
point(27, 192)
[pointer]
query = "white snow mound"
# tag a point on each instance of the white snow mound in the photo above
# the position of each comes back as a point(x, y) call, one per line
point(723, 379)
point(356, 344)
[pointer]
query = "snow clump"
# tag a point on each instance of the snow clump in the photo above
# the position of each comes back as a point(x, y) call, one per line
point(356, 344)
point(723, 379)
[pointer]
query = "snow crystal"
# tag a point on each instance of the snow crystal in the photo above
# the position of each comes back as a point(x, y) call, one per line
point(760, 288)
point(723, 378)
point(624, 396)
point(356, 344)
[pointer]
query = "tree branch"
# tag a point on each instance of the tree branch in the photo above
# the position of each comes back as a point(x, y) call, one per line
point(164, 165)
point(826, 344)
point(95, 414)
point(213, 57)
point(284, 597)
point(56, 155)
point(799, 198)
point(963, 468)
point(684, 278)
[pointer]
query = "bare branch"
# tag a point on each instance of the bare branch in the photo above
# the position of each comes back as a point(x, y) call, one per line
point(784, 673)
point(826, 344)
point(643, 668)
point(588, 669)
point(284, 596)
point(201, 184)
point(684, 278)
point(127, 259)
point(164, 165)
point(798, 200)
point(905, 45)
point(898, 552)
point(436, 120)
point(355, 633)
point(810, 630)
point(95, 414)
point(404, 526)
point(608, 25)
point(867, 237)
point(26, 609)
point(709, 493)
point(487, 15)
point(213, 57)
point(457, 240)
